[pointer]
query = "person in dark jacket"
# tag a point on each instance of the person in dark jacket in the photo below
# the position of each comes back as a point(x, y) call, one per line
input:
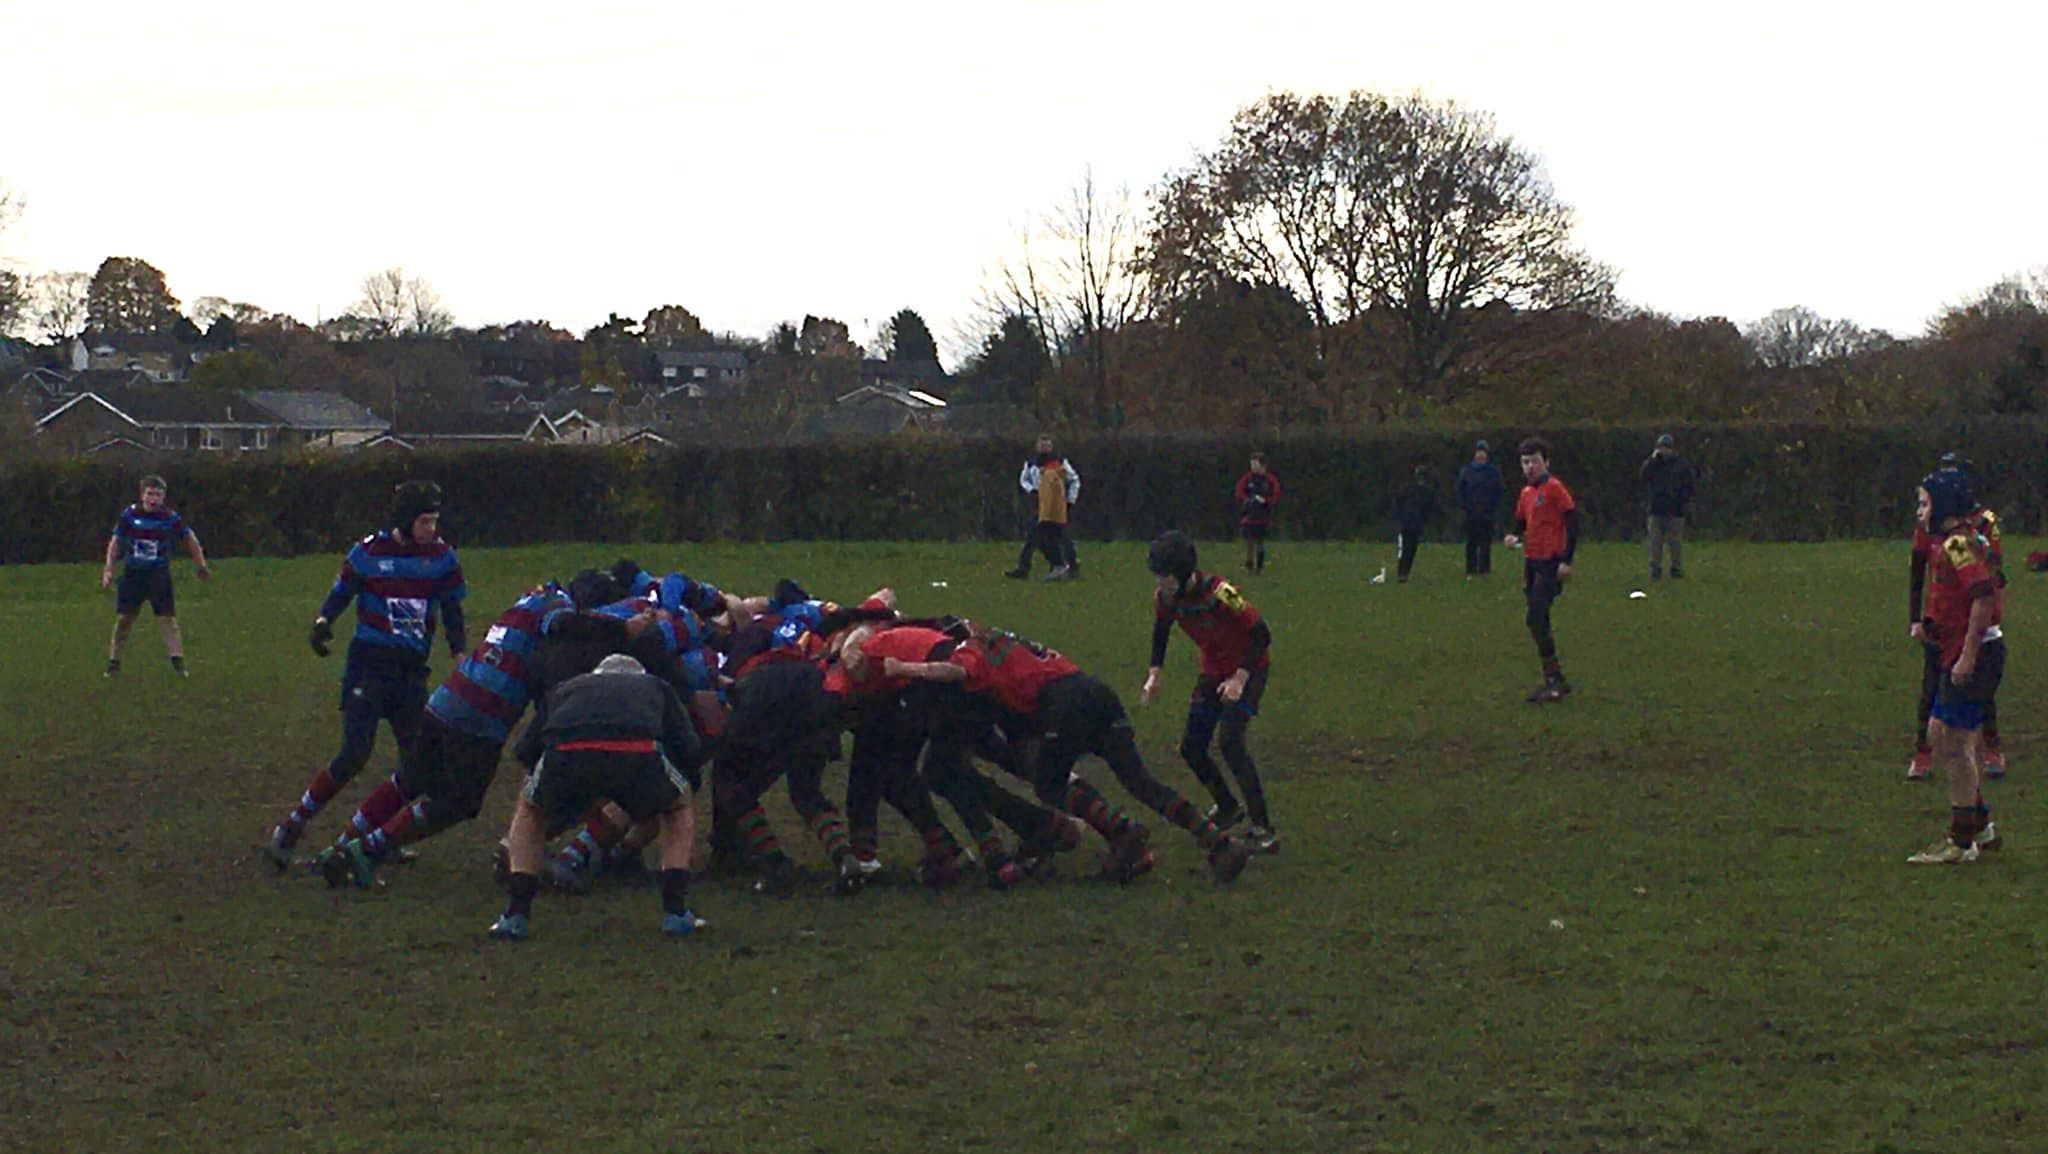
point(1670, 481)
point(620, 734)
point(1479, 492)
point(1413, 508)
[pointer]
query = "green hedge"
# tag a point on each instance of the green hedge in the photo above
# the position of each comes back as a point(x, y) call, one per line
point(1762, 481)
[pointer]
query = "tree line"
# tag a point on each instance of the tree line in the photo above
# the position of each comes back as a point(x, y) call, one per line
point(1331, 261)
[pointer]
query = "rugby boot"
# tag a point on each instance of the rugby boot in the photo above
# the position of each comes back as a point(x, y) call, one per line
point(1944, 852)
point(278, 850)
point(1261, 839)
point(1988, 840)
point(682, 925)
point(1226, 812)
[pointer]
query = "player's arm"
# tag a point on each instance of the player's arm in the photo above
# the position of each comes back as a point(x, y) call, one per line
point(113, 554)
point(1162, 628)
point(942, 671)
point(1073, 484)
point(198, 552)
point(1916, 586)
point(1973, 638)
point(1262, 640)
point(347, 584)
point(451, 594)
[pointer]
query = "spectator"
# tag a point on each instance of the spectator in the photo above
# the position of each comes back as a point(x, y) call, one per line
point(1414, 506)
point(1257, 492)
point(1050, 511)
point(1670, 480)
point(1479, 492)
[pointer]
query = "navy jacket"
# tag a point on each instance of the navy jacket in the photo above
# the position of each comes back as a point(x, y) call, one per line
point(1479, 489)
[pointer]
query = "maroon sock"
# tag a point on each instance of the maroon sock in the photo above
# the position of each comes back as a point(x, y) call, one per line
point(378, 808)
point(319, 792)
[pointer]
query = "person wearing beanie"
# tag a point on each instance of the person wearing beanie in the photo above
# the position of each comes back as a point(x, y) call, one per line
point(1479, 492)
point(1669, 478)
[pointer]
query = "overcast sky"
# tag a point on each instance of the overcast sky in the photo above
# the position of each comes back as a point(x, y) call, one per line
point(759, 162)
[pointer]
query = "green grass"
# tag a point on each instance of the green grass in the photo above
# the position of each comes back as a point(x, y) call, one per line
point(1716, 820)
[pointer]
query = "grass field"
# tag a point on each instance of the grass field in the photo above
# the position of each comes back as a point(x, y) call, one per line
point(1670, 914)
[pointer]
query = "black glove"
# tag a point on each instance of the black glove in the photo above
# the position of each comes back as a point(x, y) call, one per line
point(321, 635)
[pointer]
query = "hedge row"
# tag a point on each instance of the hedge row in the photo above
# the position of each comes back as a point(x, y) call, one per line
point(1762, 481)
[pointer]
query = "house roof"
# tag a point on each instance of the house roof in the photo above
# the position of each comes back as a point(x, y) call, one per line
point(476, 425)
point(170, 405)
point(885, 394)
point(862, 420)
point(318, 410)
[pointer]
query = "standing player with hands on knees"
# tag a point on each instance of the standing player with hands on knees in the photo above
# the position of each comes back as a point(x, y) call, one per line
point(1547, 532)
point(142, 542)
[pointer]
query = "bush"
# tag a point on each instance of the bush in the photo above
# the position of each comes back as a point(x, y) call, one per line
point(1759, 481)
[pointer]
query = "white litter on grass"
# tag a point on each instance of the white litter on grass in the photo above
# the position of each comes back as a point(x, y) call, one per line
point(1636, 595)
point(939, 585)
point(1557, 923)
point(1379, 578)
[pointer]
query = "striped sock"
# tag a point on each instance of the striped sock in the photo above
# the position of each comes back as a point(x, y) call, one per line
point(318, 793)
point(759, 835)
point(1087, 803)
point(830, 831)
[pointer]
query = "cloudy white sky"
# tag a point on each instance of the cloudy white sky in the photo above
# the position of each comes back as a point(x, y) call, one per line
point(756, 163)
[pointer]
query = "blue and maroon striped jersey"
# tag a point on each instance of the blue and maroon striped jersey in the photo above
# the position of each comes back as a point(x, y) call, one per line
point(677, 593)
point(685, 635)
point(488, 691)
point(147, 538)
point(397, 587)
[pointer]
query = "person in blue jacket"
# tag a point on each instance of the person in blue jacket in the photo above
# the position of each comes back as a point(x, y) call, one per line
point(1479, 492)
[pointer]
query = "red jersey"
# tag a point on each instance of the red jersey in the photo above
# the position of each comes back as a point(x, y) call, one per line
point(1982, 522)
point(1540, 510)
point(1010, 669)
point(1958, 574)
point(1257, 493)
point(904, 643)
point(1212, 612)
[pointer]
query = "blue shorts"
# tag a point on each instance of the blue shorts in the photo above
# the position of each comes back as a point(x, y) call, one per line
point(1962, 707)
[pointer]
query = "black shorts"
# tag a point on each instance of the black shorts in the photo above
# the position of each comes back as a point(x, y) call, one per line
point(1077, 714)
point(567, 783)
point(1540, 580)
point(1254, 530)
point(1208, 693)
point(780, 706)
point(448, 764)
point(151, 585)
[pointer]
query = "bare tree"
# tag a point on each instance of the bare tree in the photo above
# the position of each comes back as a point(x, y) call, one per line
point(61, 303)
point(1075, 277)
point(396, 305)
point(1796, 337)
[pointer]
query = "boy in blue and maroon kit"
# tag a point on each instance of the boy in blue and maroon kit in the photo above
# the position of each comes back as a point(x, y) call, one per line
point(1236, 645)
point(448, 770)
point(143, 539)
point(1963, 619)
point(1547, 532)
point(402, 580)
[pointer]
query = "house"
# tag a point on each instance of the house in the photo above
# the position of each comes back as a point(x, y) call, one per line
point(160, 418)
point(465, 431)
point(708, 373)
point(319, 420)
point(876, 410)
point(157, 354)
